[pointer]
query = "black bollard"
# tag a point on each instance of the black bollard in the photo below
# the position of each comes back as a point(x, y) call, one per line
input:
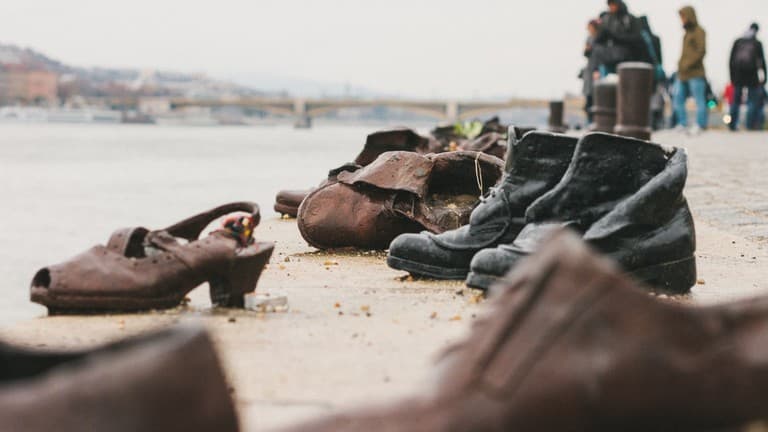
point(556, 113)
point(633, 117)
point(604, 109)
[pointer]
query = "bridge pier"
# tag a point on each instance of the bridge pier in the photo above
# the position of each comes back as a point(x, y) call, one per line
point(302, 120)
point(452, 112)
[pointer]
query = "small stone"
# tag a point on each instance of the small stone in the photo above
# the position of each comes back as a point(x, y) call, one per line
point(266, 302)
point(701, 282)
point(365, 308)
point(287, 259)
point(455, 318)
point(433, 315)
point(337, 305)
point(232, 319)
point(330, 263)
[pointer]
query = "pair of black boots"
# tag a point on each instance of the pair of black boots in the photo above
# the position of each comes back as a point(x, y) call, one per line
point(625, 196)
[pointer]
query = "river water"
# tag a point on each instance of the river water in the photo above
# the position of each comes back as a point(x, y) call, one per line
point(65, 188)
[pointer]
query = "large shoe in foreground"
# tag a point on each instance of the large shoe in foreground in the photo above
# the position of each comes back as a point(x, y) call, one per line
point(569, 343)
point(534, 165)
point(169, 381)
point(140, 269)
point(626, 197)
point(399, 192)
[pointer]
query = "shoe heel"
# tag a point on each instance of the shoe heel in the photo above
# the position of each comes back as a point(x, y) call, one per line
point(228, 290)
point(676, 277)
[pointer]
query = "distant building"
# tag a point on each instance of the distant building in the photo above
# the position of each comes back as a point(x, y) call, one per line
point(20, 84)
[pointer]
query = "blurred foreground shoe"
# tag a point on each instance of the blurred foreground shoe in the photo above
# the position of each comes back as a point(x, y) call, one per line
point(400, 192)
point(140, 269)
point(534, 166)
point(569, 343)
point(168, 381)
point(287, 202)
point(626, 197)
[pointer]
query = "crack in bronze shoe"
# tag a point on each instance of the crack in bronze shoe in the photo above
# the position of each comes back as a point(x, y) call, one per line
point(140, 269)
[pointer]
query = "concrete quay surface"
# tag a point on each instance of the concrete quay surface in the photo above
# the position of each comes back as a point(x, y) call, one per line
point(358, 331)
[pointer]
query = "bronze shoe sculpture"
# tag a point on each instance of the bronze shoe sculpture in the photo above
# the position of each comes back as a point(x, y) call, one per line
point(140, 269)
point(570, 343)
point(287, 202)
point(400, 192)
point(398, 139)
point(626, 197)
point(168, 381)
point(535, 164)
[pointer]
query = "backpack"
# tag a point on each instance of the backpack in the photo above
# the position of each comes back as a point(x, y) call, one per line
point(745, 54)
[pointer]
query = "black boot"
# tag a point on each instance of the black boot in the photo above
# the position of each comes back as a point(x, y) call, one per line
point(626, 197)
point(534, 165)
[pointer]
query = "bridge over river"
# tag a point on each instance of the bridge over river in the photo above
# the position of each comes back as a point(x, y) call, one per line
point(303, 110)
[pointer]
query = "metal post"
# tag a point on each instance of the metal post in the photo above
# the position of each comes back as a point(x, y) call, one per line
point(604, 109)
point(556, 114)
point(634, 100)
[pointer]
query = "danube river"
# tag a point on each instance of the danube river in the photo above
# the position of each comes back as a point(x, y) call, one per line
point(65, 188)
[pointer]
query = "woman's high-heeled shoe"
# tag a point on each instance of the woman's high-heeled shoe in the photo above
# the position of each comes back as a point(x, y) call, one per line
point(140, 269)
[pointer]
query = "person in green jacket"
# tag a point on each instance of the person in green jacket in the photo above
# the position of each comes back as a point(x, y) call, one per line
point(691, 76)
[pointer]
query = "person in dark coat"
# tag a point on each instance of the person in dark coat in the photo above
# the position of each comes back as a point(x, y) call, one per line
point(748, 69)
point(619, 39)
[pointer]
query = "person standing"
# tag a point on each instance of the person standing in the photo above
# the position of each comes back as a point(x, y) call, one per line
point(748, 70)
point(587, 75)
point(619, 39)
point(691, 75)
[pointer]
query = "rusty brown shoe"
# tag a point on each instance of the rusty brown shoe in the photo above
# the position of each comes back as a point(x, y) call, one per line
point(569, 343)
point(287, 202)
point(140, 269)
point(400, 192)
point(168, 381)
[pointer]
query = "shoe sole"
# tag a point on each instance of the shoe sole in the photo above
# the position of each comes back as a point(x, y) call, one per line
point(426, 270)
point(481, 281)
point(285, 209)
point(673, 277)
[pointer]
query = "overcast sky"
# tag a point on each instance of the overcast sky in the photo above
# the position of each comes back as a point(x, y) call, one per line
point(417, 48)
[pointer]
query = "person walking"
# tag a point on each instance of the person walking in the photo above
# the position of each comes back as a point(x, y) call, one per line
point(747, 66)
point(691, 75)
